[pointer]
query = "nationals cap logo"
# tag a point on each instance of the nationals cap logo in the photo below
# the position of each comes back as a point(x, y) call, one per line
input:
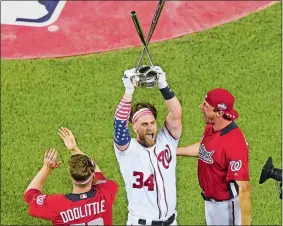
point(31, 13)
point(236, 165)
point(222, 106)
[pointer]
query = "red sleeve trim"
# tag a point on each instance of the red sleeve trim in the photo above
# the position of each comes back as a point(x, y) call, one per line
point(169, 132)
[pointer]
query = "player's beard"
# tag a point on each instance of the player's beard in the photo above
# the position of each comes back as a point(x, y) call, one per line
point(147, 139)
point(208, 119)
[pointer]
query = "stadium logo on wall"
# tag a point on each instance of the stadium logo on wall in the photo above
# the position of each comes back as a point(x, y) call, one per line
point(31, 13)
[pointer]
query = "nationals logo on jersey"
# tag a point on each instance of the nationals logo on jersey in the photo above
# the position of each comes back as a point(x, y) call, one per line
point(205, 155)
point(165, 157)
point(235, 165)
point(40, 199)
point(31, 13)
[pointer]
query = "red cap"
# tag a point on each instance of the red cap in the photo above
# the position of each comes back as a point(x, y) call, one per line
point(222, 100)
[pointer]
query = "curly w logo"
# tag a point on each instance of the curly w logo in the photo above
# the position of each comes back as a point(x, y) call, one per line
point(165, 157)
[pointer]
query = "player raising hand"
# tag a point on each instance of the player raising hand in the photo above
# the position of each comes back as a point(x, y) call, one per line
point(92, 197)
point(148, 162)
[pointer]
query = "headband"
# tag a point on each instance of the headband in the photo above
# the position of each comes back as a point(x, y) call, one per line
point(140, 113)
point(84, 182)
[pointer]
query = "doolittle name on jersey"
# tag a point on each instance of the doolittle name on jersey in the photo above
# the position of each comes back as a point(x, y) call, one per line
point(83, 211)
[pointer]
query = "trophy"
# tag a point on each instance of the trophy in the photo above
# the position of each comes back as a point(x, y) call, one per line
point(146, 76)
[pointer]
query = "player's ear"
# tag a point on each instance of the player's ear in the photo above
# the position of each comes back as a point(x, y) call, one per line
point(135, 128)
point(220, 113)
point(94, 179)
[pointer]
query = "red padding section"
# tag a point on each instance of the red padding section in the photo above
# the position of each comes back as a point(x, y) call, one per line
point(84, 27)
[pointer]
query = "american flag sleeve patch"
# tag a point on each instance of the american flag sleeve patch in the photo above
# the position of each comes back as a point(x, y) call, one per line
point(121, 130)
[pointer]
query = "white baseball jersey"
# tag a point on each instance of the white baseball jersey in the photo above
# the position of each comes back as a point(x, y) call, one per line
point(149, 176)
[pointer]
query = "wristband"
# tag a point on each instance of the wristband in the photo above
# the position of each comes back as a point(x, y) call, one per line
point(167, 93)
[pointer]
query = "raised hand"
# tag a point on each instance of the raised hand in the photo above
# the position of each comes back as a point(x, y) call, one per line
point(162, 83)
point(50, 159)
point(68, 138)
point(129, 86)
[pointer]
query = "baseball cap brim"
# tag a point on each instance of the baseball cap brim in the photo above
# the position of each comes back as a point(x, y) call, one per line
point(233, 115)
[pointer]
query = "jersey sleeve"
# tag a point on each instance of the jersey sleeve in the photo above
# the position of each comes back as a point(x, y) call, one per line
point(99, 176)
point(170, 137)
point(124, 156)
point(109, 186)
point(237, 160)
point(40, 205)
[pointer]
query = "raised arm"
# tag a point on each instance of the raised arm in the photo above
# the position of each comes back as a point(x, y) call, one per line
point(122, 136)
point(49, 163)
point(70, 142)
point(173, 120)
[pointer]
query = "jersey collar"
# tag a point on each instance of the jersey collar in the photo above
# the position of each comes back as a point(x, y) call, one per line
point(77, 197)
point(228, 128)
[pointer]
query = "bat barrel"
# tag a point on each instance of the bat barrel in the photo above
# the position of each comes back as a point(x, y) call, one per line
point(155, 19)
point(140, 33)
point(138, 27)
point(154, 22)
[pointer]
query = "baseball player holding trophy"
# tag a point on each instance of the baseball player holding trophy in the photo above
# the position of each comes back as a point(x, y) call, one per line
point(148, 161)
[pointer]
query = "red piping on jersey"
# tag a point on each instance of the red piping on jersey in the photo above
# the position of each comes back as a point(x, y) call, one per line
point(155, 183)
point(163, 184)
point(170, 132)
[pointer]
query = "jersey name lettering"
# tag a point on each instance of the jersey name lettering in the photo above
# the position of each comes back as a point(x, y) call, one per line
point(83, 211)
point(205, 155)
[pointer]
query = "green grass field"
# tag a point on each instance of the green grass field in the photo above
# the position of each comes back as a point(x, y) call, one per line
point(81, 93)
